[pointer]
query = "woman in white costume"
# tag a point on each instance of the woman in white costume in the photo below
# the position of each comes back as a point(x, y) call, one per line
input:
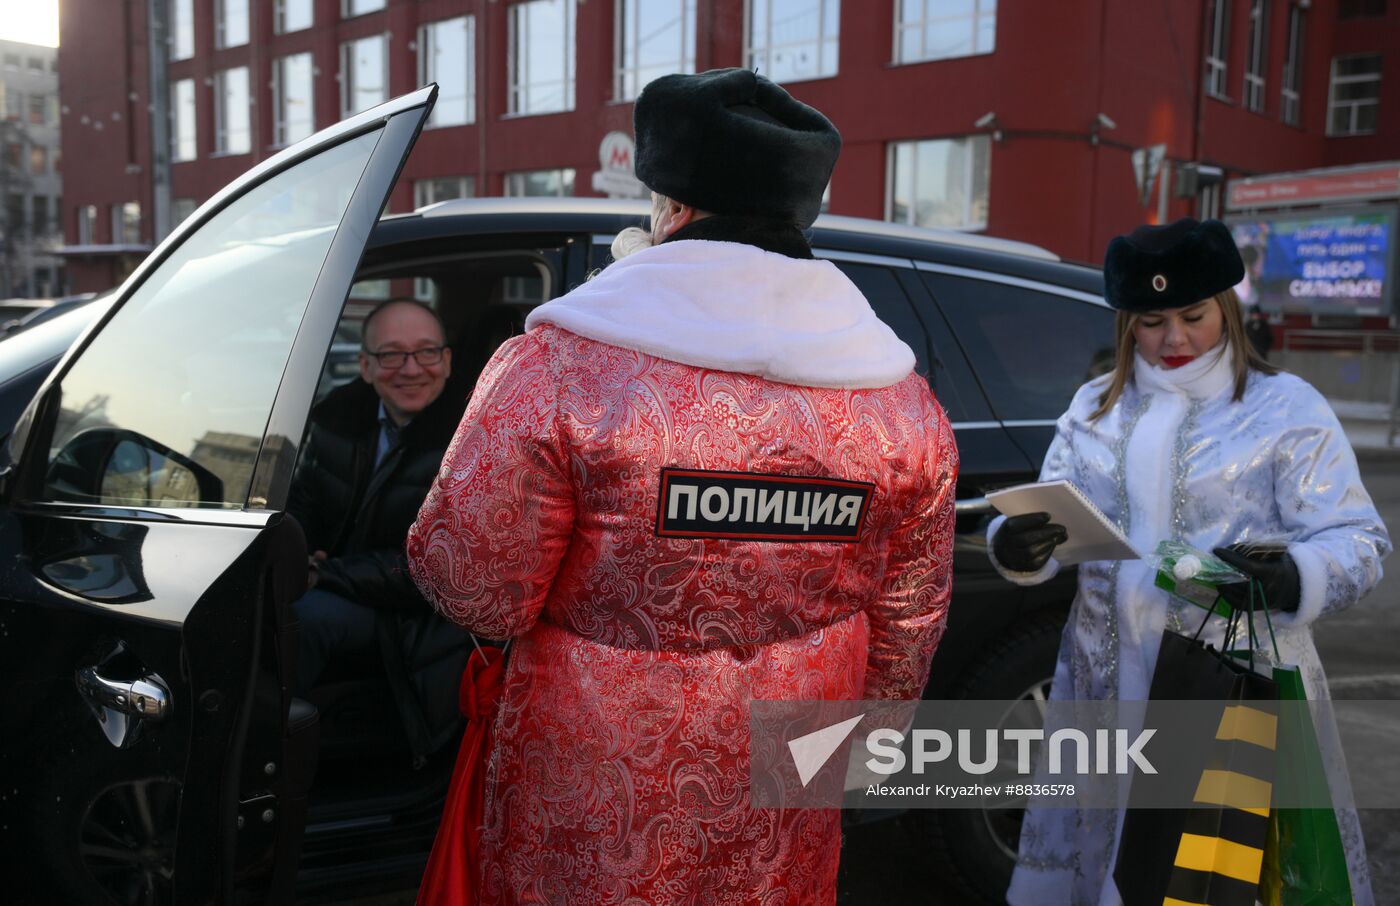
point(1194, 438)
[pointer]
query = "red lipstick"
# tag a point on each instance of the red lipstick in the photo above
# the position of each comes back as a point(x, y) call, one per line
point(1176, 361)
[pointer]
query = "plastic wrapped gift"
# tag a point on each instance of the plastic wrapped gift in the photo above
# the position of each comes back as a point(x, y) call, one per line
point(1194, 575)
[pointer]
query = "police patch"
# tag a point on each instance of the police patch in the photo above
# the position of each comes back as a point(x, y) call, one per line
point(750, 506)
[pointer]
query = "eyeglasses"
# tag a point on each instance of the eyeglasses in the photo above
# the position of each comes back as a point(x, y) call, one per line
point(428, 355)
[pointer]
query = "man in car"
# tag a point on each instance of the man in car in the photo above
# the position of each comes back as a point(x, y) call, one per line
point(373, 451)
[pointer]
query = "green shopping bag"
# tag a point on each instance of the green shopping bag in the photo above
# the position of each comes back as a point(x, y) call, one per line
point(1305, 863)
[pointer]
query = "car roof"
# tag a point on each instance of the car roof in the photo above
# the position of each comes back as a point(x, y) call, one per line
point(831, 233)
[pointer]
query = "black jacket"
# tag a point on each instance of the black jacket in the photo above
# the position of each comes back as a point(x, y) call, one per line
point(360, 516)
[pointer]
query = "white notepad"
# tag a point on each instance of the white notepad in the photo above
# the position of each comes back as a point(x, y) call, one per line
point(1092, 536)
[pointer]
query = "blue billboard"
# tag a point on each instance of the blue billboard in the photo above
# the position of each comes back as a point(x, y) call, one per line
point(1319, 262)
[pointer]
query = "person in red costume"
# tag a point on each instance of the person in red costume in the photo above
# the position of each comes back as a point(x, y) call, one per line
point(707, 476)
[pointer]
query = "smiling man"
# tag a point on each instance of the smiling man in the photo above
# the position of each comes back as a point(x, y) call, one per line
point(371, 455)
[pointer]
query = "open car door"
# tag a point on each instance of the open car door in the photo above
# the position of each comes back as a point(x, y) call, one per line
point(149, 751)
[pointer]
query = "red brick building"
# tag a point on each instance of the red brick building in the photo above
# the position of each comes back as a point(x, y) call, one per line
point(1014, 117)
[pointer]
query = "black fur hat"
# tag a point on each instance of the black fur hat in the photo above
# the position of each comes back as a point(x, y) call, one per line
point(1170, 266)
point(729, 141)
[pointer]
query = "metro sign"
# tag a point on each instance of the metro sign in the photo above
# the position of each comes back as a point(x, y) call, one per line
point(617, 179)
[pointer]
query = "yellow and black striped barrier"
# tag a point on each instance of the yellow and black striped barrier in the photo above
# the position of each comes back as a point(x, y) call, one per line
point(1221, 850)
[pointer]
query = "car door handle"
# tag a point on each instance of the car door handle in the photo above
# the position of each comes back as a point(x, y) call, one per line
point(146, 698)
point(973, 506)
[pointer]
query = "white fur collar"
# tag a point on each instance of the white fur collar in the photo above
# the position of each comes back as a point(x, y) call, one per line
point(1202, 379)
point(734, 307)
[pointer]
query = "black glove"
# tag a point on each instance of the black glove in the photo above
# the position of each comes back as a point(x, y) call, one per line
point(1024, 543)
point(1274, 569)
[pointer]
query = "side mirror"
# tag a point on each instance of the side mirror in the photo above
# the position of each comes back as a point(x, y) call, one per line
point(114, 466)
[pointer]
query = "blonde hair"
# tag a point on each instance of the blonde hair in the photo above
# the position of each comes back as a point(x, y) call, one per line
point(1243, 357)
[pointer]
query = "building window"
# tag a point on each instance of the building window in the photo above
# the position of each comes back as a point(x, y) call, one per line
point(792, 41)
point(364, 74)
point(38, 107)
point(1258, 55)
point(1360, 9)
point(1218, 48)
point(126, 223)
point(232, 129)
point(431, 191)
point(13, 103)
point(181, 209)
point(939, 30)
point(1293, 69)
point(446, 55)
point(292, 15)
point(548, 183)
point(940, 183)
point(87, 224)
point(181, 27)
point(38, 160)
point(34, 64)
point(15, 218)
point(1354, 98)
point(182, 121)
point(230, 23)
point(351, 8)
point(41, 216)
point(293, 110)
point(653, 39)
point(12, 61)
point(14, 153)
point(541, 57)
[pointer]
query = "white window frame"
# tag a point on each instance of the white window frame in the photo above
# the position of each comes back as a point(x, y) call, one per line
point(222, 131)
point(349, 9)
point(517, 180)
point(423, 194)
point(761, 58)
point(1291, 101)
point(180, 21)
point(968, 224)
point(347, 72)
point(1258, 59)
point(627, 45)
point(926, 7)
point(180, 150)
point(1218, 49)
point(119, 222)
point(518, 91)
point(279, 16)
point(427, 72)
point(223, 18)
point(1356, 104)
point(87, 224)
point(280, 138)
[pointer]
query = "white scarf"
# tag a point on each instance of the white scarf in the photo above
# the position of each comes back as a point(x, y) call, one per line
point(735, 307)
point(1201, 378)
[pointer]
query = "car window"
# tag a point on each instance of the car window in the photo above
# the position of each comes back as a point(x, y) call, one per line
point(1031, 349)
point(168, 404)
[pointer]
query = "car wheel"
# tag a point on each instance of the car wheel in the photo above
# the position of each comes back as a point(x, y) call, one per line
point(116, 846)
point(976, 848)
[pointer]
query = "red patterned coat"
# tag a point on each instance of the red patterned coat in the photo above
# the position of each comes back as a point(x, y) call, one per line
point(620, 768)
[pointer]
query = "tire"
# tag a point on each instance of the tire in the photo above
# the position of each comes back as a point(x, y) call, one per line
point(110, 841)
point(976, 848)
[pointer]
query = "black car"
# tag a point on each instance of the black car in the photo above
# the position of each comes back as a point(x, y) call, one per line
point(150, 750)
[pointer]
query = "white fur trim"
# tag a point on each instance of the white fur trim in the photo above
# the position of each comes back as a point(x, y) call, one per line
point(735, 307)
point(1014, 576)
point(1312, 587)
